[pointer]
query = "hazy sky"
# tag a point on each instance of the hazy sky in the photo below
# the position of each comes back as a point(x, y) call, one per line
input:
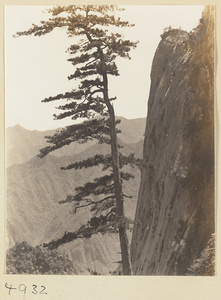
point(37, 67)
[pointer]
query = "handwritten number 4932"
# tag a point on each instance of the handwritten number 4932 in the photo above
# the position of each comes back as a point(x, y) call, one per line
point(23, 288)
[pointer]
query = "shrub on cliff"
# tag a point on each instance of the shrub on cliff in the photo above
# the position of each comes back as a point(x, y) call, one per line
point(204, 264)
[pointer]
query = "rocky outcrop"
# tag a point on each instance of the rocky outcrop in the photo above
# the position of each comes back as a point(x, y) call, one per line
point(174, 223)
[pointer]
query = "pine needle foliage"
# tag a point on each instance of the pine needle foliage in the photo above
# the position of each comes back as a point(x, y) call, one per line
point(93, 57)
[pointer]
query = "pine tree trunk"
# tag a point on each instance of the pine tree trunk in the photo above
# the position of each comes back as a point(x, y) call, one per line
point(126, 265)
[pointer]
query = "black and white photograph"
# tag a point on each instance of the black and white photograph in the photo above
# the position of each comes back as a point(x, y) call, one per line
point(110, 140)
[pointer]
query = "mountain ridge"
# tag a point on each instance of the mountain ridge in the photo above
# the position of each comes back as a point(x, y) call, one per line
point(22, 144)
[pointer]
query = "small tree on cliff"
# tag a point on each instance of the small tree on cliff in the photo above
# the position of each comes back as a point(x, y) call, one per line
point(94, 54)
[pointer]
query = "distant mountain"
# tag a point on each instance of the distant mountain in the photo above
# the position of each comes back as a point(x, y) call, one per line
point(35, 187)
point(23, 144)
point(132, 131)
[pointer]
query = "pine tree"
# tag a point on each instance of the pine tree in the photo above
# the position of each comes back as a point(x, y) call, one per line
point(94, 59)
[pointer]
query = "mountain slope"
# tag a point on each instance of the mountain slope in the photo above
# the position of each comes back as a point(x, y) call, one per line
point(34, 189)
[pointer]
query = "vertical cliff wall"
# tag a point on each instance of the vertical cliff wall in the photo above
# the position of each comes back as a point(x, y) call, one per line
point(174, 223)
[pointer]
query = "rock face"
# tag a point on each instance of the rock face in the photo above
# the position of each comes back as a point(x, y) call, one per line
point(174, 221)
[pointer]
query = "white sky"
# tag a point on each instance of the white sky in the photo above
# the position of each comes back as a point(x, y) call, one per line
point(37, 67)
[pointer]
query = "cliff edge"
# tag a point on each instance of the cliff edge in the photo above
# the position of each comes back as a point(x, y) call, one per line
point(174, 224)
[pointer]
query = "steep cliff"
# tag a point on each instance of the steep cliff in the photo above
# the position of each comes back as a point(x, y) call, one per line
point(174, 223)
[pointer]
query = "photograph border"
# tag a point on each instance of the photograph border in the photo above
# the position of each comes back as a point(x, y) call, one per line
point(110, 287)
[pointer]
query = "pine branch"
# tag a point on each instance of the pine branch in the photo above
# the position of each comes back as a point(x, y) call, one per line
point(102, 185)
point(91, 83)
point(87, 110)
point(81, 75)
point(83, 132)
point(103, 224)
point(71, 198)
point(82, 58)
point(127, 196)
point(128, 160)
point(95, 204)
point(90, 162)
point(106, 160)
point(98, 129)
point(74, 48)
point(126, 176)
point(77, 95)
